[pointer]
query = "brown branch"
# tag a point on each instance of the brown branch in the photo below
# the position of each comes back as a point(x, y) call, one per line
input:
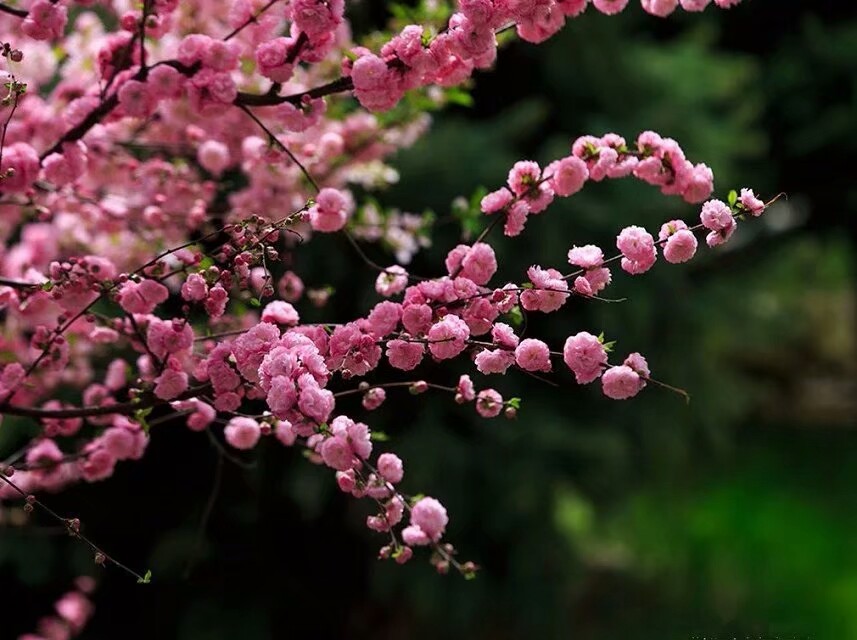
point(17, 284)
point(251, 20)
point(12, 11)
point(266, 100)
point(147, 401)
point(72, 525)
point(105, 107)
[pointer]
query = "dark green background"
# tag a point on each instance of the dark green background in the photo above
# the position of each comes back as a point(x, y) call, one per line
point(595, 520)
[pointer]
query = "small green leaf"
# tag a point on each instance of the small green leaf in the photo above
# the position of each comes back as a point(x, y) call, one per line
point(146, 579)
point(733, 198)
point(255, 302)
point(516, 316)
point(515, 403)
point(459, 96)
point(379, 436)
point(140, 416)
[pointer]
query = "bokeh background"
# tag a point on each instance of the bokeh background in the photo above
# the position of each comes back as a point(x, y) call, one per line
point(734, 516)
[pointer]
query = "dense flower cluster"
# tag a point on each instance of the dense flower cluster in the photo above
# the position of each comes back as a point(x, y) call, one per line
point(156, 180)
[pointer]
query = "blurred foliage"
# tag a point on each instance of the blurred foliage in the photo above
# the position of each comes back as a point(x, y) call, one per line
point(647, 519)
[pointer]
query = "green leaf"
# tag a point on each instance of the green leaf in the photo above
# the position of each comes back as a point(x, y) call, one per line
point(459, 96)
point(147, 577)
point(515, 403)
point(140, 416)
point(733, 198)
point(255, 302)
point(516, 316)
point(379, 436)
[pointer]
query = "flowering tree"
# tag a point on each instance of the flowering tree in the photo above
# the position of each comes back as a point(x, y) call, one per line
point(161, 166)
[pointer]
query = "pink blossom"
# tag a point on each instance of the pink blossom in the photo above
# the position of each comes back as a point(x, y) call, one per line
point(496, 201)
point(489, 403)
point(194, 289)
point(448, 337)
point(716, 215)
point(477, 263)
point(20, 165)
point(142, 297)
point(516, 218)
point(694, 5)
point(201, 416)
point(75, 609)
point(430, 517)
point(751, 203)
point(390, 467)
point(523, 176)
point(164, 337)
point(638, 248)
point(587, 257)
point(391, 281)
point(313, 401)
point(330, 211)
point(660, 8)
point(170, 384)
point(315, 17)
point(504, 336)
point(384, 318)
point(290, 287)
point(699, 184)
point(680, 247)
point(533, 355)
point(285, 432)
point(620, 383)
point(549, 290)
point(417, 318)
point(490, 361)
point(353, 351)
point(585, 355)
point(464, 389)
point(97, 465)
point(567, 175)
point(280, 312)
point(638, 363)
point(405, 355)
point(242, 433)
point(213, 156)
point(373, 398)
point(136, 99)
point(215, 303)
point(45, 20)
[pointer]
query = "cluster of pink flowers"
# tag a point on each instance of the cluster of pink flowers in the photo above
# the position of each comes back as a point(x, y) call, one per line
point(655, 160)
point(410, 59)
point(156, 182)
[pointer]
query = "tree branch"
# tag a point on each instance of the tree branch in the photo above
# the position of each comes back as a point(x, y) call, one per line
point(20, 13)
point(120, 408)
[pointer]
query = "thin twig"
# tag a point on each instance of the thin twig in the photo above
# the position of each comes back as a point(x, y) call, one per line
point(283, 147)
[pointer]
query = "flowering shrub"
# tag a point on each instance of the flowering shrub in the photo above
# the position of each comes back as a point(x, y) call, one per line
point(161, 164)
